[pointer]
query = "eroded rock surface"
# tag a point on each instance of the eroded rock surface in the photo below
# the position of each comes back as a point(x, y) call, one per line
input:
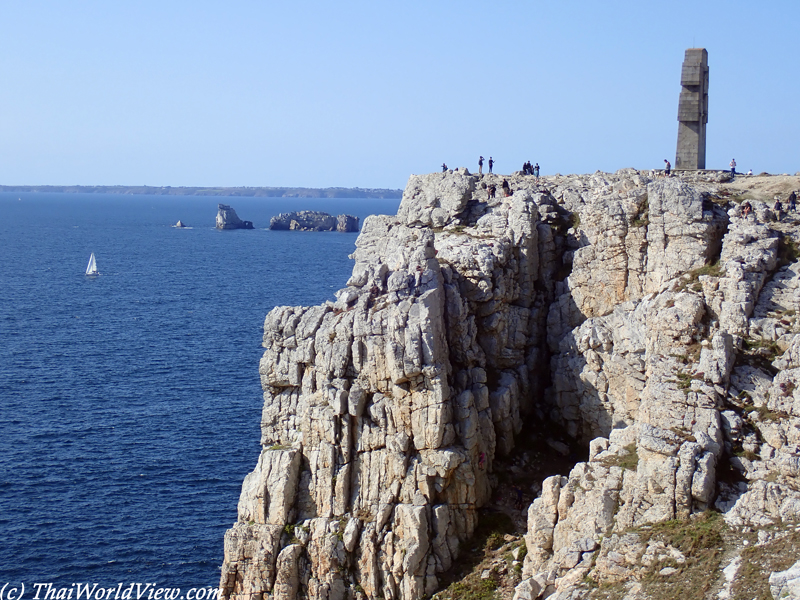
point(309, 220)
point(228, 219)
point(649, 318)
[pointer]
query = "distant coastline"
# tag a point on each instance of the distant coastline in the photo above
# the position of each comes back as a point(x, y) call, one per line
point(265, 192)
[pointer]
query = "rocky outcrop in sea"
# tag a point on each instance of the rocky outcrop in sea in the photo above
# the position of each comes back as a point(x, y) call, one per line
point(309, 220)
point(648, 319)
point(228, 219)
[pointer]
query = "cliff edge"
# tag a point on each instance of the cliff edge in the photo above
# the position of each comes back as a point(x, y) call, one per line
point(650, 320)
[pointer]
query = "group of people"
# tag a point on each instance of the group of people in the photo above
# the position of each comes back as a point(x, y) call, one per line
point(527, 169)
point(791, 206)
point(492, 189)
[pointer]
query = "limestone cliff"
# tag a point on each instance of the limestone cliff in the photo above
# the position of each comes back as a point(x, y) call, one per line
point(629, 311)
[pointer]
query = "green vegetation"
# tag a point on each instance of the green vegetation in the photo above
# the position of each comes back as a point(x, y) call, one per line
point(683, 434)
point(748, 454)
point(470, 588)
point(764, 348)
point(692, 279)
point(691, 354)
point(279, 447)
point(701, 542)
point(477, 555)
point(684, 381)
point(629, 460)
point(642, 218)
point(765, 414)
point(752, 581)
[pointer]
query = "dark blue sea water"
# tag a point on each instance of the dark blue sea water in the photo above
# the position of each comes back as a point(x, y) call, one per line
point(130, 402)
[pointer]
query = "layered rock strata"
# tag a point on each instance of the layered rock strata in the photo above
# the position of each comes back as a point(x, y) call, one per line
point(625, 309)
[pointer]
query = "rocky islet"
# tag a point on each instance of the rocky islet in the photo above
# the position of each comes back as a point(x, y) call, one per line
point(310, 220)
point(228, 219)
point(646, 316)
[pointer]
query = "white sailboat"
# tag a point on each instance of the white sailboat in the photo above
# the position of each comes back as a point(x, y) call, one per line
point(91, 268)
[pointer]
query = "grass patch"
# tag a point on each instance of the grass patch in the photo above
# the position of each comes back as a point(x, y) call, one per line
point(691, 354)
point(575, 220)
point(464, 579)
point(279, 447)
point(752, 581)
point(642, 218)
point(692, 279)
point(766, 349)
point(470, 588)
point(748, 454)
point(629, 460)
point(765, 414)
point(701, 542)
point(684, 381)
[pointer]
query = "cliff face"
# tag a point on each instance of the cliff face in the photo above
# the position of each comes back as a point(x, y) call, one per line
point(309, 220)
point(583, 301)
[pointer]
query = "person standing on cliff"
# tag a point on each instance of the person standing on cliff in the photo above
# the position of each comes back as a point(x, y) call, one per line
point(491, 164)
point(444, 168)
point(480, 166)
point(667, 168)
point(733, 168)
point(536, 171)
point(506, 188)
point(792, 201)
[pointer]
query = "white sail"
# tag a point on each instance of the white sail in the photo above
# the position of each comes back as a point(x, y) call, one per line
point(91, 268)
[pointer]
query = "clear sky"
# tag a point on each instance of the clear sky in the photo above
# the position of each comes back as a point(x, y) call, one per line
point(319, 93)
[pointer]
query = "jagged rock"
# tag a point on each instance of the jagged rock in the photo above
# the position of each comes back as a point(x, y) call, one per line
point(655, 311)
point(309, 220)
point(346, 223)
point(228, 219)
point(268, 492)
point(384, 396)
point(786, 584)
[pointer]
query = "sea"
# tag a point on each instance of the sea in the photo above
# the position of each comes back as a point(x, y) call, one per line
point(130, 402)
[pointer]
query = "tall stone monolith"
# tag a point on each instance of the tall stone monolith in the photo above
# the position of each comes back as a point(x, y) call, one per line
point(693, 111)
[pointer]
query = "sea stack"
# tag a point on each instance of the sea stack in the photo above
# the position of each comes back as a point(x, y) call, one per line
point(228, 219)
point(310, 220)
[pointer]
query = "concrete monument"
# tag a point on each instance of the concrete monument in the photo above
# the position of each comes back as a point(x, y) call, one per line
point(693, 111)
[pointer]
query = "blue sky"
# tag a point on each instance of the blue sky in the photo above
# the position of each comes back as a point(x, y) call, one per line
point(318, 94)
